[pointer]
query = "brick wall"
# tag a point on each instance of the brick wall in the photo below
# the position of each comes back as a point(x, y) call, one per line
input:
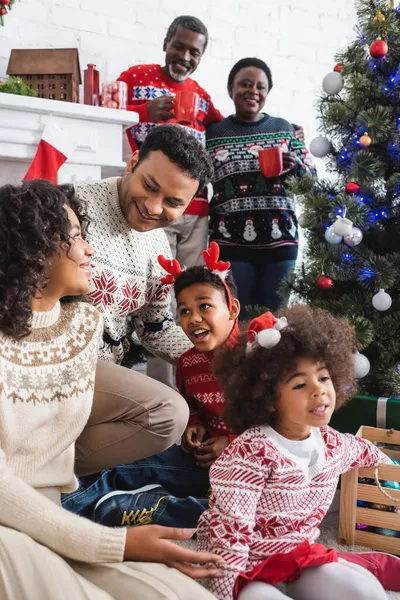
point(297, 38)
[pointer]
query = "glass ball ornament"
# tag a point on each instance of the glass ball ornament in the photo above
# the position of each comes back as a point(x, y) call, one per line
point(320, 146)
point(324, 283)
point(331, 237)
point(365, 140)
point(361, 365)
point(301, 220)
point(352, 187)
point(378, 49)
point(382, 301)
point(332, 83)
point(354, 238)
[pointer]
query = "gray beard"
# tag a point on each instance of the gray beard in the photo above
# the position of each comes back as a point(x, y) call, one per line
point(175, 76)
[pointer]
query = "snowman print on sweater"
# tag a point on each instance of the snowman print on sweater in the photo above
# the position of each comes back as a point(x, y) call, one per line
point(250, 233)
point(223, 230)
point(292, 228)
point(276, 233)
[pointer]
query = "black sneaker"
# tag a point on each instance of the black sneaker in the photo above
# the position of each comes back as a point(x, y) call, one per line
point(136, 507)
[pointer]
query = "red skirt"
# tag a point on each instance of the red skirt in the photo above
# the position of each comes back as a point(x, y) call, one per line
point(286, 567)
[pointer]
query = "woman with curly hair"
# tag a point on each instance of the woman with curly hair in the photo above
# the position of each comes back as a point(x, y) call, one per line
point(275, 482)
point(48, 354)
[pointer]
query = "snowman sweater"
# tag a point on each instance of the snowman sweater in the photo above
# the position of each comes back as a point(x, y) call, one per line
point(252, 217)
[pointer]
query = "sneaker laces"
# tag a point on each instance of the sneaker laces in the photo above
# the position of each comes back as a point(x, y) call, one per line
point(140, 517)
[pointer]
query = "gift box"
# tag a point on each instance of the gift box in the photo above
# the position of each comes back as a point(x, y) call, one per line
point(373, 411)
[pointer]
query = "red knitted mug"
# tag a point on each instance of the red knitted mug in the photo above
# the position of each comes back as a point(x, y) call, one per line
point(186, 107)
point(271, 162)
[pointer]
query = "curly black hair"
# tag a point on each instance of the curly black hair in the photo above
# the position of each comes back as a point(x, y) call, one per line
point(243, 63)
point(187, 22)
point(182, 148)
point(203, 275)
point(32, 222)
point(248, 380)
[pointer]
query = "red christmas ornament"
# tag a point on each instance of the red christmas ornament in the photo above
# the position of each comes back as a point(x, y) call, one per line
point(5, 2)
point(352, 187)
point(3, 11)
point(378, 49)
point(339, 67)
point(324, 282)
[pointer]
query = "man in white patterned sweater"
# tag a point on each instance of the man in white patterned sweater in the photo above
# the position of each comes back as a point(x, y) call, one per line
point(134, 416)
point(128, 214)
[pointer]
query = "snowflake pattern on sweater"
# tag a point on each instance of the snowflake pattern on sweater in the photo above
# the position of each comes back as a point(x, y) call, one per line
point(197, 384)
point(46, 393)
point(126, 277)
point(264, 503)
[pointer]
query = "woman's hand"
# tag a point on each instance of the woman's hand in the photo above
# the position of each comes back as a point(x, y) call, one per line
point(193, 437)
point(210, 450)
point(289, 161)
point(151, 543)
point(299, 132)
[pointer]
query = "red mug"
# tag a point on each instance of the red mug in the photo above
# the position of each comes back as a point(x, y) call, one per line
point(186, 107)
point(271, 162)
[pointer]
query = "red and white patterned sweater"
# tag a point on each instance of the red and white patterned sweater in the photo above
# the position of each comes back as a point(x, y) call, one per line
point(263, 503)
point(148, 82)
point(196, 383)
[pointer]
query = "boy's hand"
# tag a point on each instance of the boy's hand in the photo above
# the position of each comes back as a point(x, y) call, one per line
point(193, 437)
point(154, 543)
point(210, 450)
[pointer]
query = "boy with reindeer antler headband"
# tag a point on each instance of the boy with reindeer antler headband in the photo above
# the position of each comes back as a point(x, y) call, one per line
point(171, 487)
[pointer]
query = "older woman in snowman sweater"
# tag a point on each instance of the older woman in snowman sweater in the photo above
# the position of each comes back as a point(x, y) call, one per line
point(252, 217)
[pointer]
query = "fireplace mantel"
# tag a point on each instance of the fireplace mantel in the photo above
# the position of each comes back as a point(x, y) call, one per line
point(98, 132)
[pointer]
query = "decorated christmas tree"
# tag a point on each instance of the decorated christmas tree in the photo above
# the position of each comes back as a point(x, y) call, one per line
point(5, 6)
point(351, 218)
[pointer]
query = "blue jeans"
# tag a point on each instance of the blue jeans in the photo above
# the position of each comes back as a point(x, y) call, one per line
point(187, 486)
point(259, 284)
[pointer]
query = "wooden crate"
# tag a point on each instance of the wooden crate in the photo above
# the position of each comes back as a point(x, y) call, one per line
point(352, 490)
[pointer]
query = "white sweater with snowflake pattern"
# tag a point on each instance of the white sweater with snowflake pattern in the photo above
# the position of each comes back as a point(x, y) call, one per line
point(126, 277)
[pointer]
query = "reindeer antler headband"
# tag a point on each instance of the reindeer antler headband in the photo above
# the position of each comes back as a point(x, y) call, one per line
point(211, 256)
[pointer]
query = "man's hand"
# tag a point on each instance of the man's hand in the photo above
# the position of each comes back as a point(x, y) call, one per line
point(299, 132)
point(210, 450)
point(193, 437)
point(151, 543)
point(289, 161)
point(160, 109)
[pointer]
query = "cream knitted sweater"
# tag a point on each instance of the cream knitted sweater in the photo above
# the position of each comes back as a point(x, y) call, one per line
point(46, 391)
point(126, 278)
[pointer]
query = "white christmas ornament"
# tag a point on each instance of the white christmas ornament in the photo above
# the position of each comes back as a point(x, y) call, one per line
point(361, 365)
point(354, 238)
point(301, 219)
point(382, 301)
point(342, 226)
point(332, 237)
point(320, 146)
point(332, 83)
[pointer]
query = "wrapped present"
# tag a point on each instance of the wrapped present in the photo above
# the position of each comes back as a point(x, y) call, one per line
point(373, 411)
